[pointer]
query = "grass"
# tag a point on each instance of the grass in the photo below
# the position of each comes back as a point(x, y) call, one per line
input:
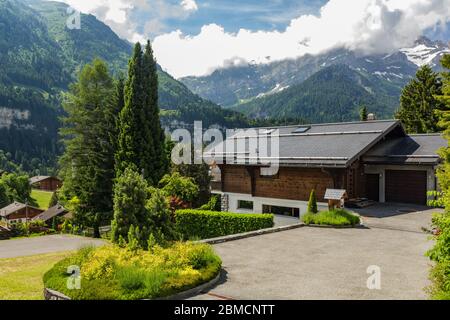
point(332, 218)
point(114, 273)
point(21, 278)
point(42, 198)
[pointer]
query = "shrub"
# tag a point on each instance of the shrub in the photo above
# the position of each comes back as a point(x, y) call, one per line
point(213, 204)
point(336, 217)
point(210, 224)
point(176, 185)
point(116, 273)
point(312, 203)
point(440, 254)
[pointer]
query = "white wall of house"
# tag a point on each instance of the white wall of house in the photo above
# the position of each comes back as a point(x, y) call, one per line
point(258, 202)
point(381, 171)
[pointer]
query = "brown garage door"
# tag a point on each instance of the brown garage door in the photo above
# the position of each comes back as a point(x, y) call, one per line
point(406, 186)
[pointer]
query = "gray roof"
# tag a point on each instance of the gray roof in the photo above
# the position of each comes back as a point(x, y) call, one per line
point(50, 213)
point(12, 208)
point(413, 149)
point(37, 179)
point(335, 194)
point(323, 145)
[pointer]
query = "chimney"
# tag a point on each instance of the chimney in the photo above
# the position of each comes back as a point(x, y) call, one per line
point(371, 117)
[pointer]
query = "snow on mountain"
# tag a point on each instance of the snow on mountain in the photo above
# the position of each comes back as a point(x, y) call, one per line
point(426, 52)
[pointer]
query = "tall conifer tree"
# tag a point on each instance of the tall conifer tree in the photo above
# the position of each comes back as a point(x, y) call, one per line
point(141, 138)
point(418, 103)
point(87, 165)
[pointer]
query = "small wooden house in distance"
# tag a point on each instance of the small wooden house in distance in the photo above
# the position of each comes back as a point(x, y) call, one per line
point(18, 212)
point(55, 211)
point(46, 183)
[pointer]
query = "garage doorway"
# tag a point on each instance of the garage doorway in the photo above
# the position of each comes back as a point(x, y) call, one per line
point(404, 186)
point(373, 187)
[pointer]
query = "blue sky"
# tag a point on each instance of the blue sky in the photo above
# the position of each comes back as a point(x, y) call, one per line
point(249, 14)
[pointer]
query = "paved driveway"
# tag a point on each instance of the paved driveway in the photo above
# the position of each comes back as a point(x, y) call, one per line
point(47, 244)
point(316, 263)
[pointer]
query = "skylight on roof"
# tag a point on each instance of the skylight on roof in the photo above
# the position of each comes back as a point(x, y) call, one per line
point(301, 130)
point(267, 131)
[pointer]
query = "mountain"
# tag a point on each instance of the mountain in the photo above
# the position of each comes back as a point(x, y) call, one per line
point(40, 57)
point(333, 94)
point(239, 84)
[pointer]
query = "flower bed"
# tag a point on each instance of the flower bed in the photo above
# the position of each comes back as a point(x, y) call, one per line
point(337, 218)
point(114, 273)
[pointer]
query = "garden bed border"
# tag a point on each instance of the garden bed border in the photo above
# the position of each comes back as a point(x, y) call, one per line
point(50, 294)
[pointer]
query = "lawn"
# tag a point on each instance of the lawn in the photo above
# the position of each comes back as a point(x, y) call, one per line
point(42, 198)
point(21, 278)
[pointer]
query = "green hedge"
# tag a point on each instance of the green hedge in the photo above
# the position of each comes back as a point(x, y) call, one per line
point(212, 224)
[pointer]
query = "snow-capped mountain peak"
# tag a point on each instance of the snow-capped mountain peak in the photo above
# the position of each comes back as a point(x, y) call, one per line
point(426, 52)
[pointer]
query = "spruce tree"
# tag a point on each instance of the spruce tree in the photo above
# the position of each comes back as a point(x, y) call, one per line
point(129, 138)
point(141, 138)
point(130, 198)
point(363, 113)
point(87, 165)
point(418, 103)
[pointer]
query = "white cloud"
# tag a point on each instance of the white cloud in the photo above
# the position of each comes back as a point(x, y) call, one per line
point(189, 5)
point(369, 26)
point(119, 14)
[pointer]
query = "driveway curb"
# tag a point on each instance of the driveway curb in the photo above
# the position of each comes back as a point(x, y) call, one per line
point(250, 234)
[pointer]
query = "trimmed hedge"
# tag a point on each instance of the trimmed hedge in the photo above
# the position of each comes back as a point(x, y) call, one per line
point(212, 224)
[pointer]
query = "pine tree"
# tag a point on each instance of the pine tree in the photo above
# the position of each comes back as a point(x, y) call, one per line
point(141, 138)
point(418, 103)
point(87, 165)
point(363, 113)
point(159, 163)
point(130, 198)
point(312, 203)
point(130, 118)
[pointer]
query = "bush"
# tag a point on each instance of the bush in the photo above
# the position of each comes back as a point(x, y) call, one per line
point(116, 273)
point(210, 224)
point(337, 217)
point(440, 254)
point(213, 204)
point(312, 203)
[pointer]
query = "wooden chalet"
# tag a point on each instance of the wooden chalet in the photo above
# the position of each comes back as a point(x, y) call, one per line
point(46, 183)
point(376, 160)
point(18, 212)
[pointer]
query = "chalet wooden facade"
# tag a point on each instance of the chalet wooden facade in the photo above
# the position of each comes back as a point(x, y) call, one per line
point(46, 183)
point(376, 160)
point(19, 212)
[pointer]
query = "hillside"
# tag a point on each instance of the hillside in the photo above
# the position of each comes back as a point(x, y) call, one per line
point(333, 94)
point(41, 57)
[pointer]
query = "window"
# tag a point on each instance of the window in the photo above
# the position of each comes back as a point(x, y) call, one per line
point(282, 211)
point(302, 130)
point(243, 204)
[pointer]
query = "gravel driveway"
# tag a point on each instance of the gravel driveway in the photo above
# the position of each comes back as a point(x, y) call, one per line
point(46, 244)
point(318, 263)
